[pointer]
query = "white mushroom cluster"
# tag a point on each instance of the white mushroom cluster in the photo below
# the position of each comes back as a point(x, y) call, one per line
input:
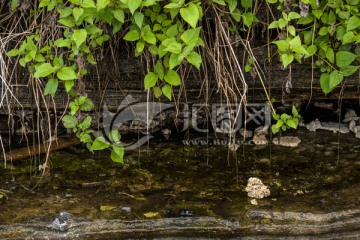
point(256, 189)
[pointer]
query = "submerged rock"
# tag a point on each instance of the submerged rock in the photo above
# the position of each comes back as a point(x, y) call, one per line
point(324, 105)
point(260, 139)
point(245, 133)
point(350, 115)
point(329, 126)
point(256, 189)
point(62, 222)
point(287, 141)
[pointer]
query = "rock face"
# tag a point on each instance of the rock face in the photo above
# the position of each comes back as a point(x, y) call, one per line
point(260, 139)
point(256, 189)
point(287, 141)
point(329, 126)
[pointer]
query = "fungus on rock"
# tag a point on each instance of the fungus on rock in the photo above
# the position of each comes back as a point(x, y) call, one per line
point(256, 189)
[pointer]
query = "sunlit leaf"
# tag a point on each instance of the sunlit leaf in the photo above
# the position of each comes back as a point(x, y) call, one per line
point(99, 144)
point(106, 208)
point(51, 87)
point(150, 80)
point(172, 78)
point(79, 36)
point(132, 35)
point(69, 121)
point(151, 214)
point(43, 70)
point(66, 73)
point(101, 4)
point(344, 58)
point(190, 14)
point(133, 5)
point(167, 91)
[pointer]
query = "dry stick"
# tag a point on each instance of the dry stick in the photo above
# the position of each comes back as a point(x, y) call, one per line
point(26, 152)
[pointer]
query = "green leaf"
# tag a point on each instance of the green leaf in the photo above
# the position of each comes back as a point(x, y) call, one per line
point(67, 21)
point(221, 2)
point(274, 129)
point(293, 15)
point(246, 3)
point(236, 14)
point(117, 154)
point(173, 5)
point(335, 79)
point(344, 15)
point(292, 30)
point(287, 59)
point(282, 45)
point(190, 14)
point(174, 48)
point(114, 136)
point(87, 3)
point(102, 4)
point(149, 37)
point(14, 4)
point(325, 83)
point(69, 121)
point(195, 59)
point(99, 144)
point(294, 112)
point(13, 52)
point(311, 50)
point(86, 123)
point(86, 138)
point(88, 105)
point(282, 23)
point(150, 80)
point(172, 78)
point(191, 36)
point(248, 18)
point(344, 58)
point(175, 60)
point(274, 24)
point(119, 15)
point(172, 31)
point(133, 5)
point(79, 36)
point(51, 87)
point(69, 85)
point(61, 42)
point(159, 70)
point(77, 13)
point(44, 3)
point(66, 73)
point(140, 46)
point(157, 92)
point(279, 123)
point(330, 55)
point(167, 91)
point(139, 18)
point(132, 35)
point(43, 70)
point(353, 23)
point(348, 70)
point(39, 58)
point(291, 123)
point(348, 37)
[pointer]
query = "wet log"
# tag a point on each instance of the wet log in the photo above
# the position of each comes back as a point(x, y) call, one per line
point(30, 151)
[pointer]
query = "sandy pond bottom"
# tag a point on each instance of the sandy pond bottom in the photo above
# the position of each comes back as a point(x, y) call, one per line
point(168, 190)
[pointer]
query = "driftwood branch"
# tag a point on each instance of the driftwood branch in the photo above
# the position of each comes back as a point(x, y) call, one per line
point(30, 151)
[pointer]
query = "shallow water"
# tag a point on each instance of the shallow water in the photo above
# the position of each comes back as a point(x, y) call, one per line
point(314, 191)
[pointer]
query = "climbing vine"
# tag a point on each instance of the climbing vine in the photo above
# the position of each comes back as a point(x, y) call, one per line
point(170, 31)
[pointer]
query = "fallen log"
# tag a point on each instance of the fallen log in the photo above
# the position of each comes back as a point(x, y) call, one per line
point(30, 151)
